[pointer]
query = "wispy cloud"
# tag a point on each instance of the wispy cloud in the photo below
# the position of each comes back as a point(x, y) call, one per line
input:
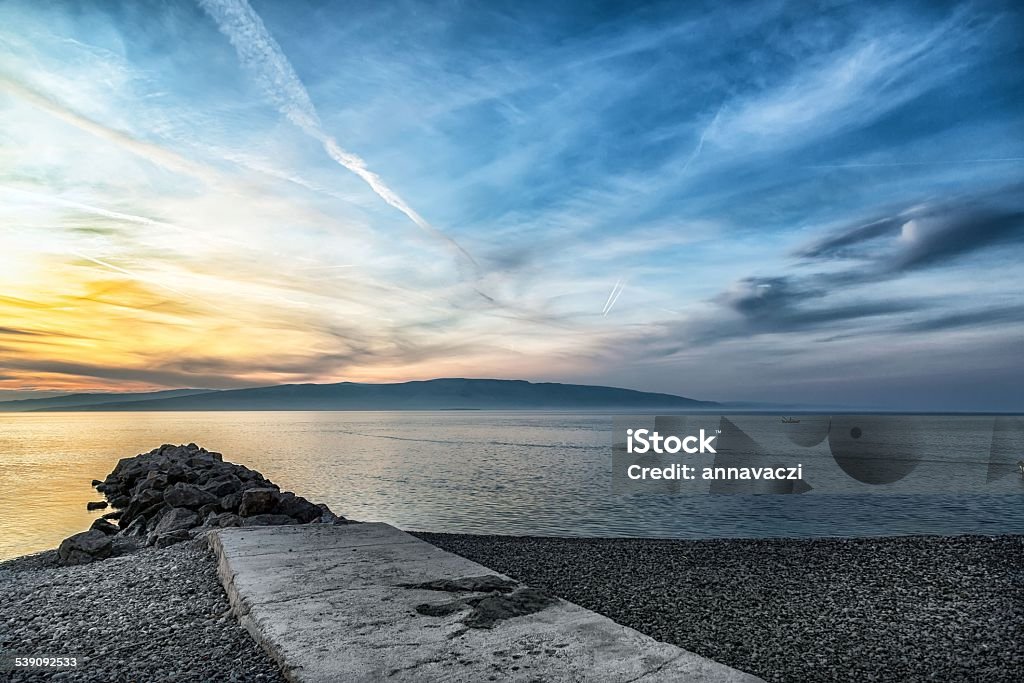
point(263, 57)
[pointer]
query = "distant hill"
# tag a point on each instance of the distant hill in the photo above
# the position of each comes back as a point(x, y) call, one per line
point(436, 394)
point(74, 401)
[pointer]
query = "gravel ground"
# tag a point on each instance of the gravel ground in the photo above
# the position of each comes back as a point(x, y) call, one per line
point(143, 615)
point(886, 609)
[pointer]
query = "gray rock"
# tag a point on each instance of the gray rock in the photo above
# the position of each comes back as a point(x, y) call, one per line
point(268, 520)
point(207, 510)
point(84, 548)
point(187, 496)
point(258, 501)
point(298, 508)
point(96, 505)
point(120, 502)
point(171, 537)
point(136, 528)
point(230, 502)
point(177, 518)
point(105, 527)
point(223, 485)
point(143, 501)
point(228, 519)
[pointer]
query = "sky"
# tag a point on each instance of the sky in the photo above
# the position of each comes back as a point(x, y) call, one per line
point(813, 203)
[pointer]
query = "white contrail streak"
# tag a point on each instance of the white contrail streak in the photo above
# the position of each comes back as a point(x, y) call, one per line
point(262, 56)
point(154, 153)
point(700, 143)
point(613, 296)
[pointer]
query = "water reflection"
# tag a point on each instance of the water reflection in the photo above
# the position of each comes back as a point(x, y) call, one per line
point(474, 472)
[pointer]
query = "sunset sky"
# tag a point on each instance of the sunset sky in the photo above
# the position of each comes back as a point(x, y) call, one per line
point(816, 203)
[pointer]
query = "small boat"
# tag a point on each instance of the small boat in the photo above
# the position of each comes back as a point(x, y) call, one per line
point(790, 420)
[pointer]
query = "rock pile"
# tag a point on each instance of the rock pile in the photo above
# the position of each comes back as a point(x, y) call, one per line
point(173, 493)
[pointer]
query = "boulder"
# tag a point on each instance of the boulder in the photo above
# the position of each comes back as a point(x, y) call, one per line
point(175, 474)
point(177, 518)
point(209, 509)
point(136, 528)
point(267, 520)
point(230, 502)
point(298, 508)
point(116, 514)
point(153, 480)
point(257, 501)
point(171, 537)
point(105, 527)
point(143, 501)
point(96, 482)
point(84, 548)
point(96, 505)
point(120, 502)
point(223, 485)
point(228, 519)
point(188, 496)
point(328, 517)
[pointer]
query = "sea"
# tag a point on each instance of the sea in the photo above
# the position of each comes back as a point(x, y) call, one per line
point(474, 472)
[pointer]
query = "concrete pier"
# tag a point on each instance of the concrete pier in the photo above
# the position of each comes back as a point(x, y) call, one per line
point(368, 602)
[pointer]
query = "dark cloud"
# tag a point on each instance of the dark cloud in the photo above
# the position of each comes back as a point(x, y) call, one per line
point(838, 245)
point(782, 304)
point(977, 318)
point(926, 235)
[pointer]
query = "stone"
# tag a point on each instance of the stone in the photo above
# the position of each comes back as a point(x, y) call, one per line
point(143, 501)
point(136, 528)
point(84, 548)
point(154, 480)
point(177, 518)
point(96, 482)
point(223, 485)
point(116, 514)
point(257, 501)
point(209, 509)
point(96, 505)
point(267, 520)
point(120, 502)
point(188, 496)
point(298, 508)
point(171, 537)
point(230, 502)
point(105, 527)
point(228, 519)
point(328, 517)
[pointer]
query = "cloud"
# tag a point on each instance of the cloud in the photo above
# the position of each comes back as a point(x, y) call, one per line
point(262, 56)
point(154, 153)
point(926, 234)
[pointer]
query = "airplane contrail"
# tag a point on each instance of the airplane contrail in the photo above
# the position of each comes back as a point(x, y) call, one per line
point(700, 143)
point(613, 296)
point(147, 150)
point(261, 55)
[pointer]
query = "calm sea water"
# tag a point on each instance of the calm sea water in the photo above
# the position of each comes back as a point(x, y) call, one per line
point(472, 472)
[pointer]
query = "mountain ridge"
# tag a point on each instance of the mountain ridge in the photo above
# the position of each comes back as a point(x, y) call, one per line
point(435, 394)
point(26, 405)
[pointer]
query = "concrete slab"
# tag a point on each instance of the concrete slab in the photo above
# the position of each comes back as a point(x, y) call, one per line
point(334, 603)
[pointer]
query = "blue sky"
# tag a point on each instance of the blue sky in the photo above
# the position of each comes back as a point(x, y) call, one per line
point(817, 203)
